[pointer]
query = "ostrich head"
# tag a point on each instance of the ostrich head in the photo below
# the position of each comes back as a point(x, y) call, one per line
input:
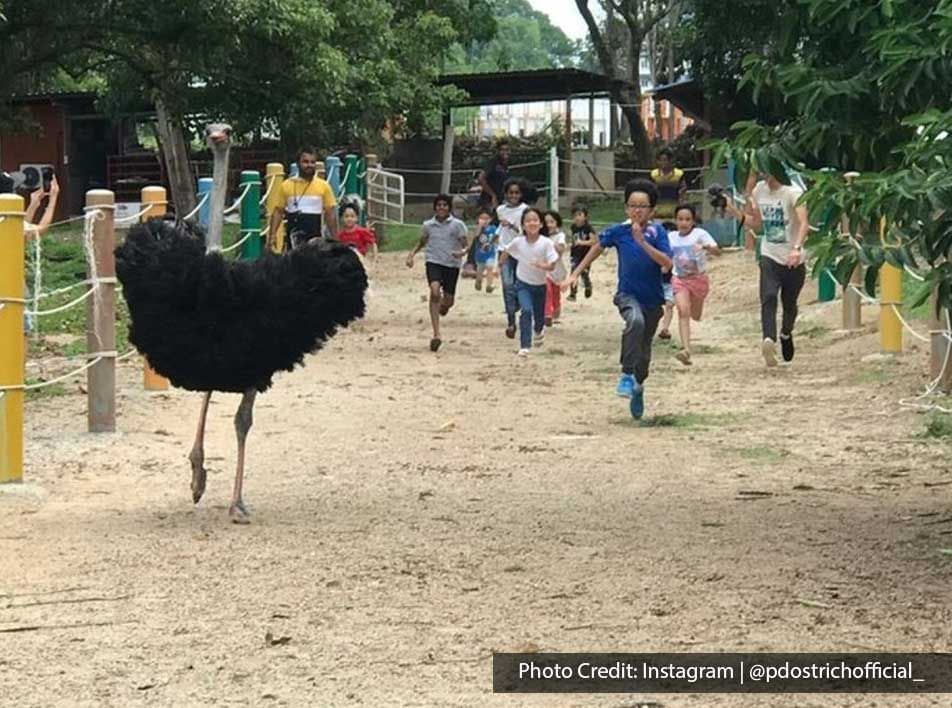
point(218, 138)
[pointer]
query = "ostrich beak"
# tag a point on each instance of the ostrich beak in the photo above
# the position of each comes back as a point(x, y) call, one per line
point(219, 136)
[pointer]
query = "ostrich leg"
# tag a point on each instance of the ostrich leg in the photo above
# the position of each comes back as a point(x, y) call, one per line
point(197, 455)
point(237, 511)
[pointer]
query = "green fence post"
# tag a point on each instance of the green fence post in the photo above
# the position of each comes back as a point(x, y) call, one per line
point(251, 215)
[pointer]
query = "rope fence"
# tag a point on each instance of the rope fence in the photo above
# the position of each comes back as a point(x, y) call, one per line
point(237, 203)
point(198, 207)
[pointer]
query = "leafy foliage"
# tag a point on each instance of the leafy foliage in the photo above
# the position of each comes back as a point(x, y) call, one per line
point(865, 87)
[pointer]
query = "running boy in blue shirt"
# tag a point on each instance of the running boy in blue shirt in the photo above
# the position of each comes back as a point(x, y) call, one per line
point(643, 251)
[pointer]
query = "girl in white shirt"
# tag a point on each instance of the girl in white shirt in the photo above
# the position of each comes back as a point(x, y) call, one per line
point(690, 246)
point(553, 281)
point(535, 256)
point(509, 215)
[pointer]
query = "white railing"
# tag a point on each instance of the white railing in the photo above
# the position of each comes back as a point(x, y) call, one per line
point(385, 195)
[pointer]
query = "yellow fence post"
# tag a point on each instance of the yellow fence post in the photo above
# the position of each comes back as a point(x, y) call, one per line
point(12, 341)
point(890, 294)
point(274, 176)
point(155, 198)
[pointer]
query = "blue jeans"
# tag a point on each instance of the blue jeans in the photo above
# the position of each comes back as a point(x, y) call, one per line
point(532, 304)
point(507, 274)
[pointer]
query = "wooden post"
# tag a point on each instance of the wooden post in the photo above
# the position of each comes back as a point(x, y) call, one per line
point(448, 137)
point(852, 303)
point(101, 317)
point(591, 125)
point(567, 179)
point(274, 178)
point(939, 367)
point(13, 350)
point(155, 198)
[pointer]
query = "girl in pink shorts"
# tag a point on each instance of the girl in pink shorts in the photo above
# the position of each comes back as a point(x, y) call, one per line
point(690, 246)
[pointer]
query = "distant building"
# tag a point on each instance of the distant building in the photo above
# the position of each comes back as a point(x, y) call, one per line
point(524, 119)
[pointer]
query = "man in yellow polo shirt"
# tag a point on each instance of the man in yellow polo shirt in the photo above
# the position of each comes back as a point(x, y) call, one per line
point(306, 201)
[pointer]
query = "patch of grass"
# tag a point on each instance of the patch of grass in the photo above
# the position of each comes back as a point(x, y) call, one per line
point(878, 374)
point(398, 237)
point(813, 330)
point(912, 290)
point(50, 391)
point(939, 425)
point(763, 453)
point(683, 420)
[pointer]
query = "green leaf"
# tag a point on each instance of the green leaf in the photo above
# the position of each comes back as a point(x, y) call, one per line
point(741, 171)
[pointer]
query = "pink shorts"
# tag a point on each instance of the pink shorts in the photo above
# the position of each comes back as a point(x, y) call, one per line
point(697, 286)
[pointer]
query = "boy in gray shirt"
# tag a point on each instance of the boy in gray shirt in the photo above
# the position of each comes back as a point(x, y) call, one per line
point(445, 239)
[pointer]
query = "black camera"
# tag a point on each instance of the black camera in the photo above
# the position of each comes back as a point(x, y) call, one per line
point(33, 177)
point(718, 196)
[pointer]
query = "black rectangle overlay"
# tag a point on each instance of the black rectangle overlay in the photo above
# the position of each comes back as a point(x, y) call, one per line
point(722, 673)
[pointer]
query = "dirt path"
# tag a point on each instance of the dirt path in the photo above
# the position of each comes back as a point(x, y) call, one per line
point(415, 512)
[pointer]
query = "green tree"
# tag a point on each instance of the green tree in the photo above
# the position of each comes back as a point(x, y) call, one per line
point(618, 44)
point(525, 39)
point(863, 86)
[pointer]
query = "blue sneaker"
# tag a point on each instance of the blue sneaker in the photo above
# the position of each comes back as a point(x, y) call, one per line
point(637, 405)
point(626, 386)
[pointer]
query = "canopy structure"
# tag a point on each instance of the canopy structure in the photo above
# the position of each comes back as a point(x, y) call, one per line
point(524, 86)
point(535, 85)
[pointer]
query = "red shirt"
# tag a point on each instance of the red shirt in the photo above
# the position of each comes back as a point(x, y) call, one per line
point(359, 237)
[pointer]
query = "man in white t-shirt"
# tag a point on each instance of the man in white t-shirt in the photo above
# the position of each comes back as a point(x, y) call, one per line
point(782, 224)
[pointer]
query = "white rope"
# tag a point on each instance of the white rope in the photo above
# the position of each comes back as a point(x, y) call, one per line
point(132, 218)
point(198, 207)
point(62, 308)
point(248, 234)
point(343, 181)
point(44, 384)
point(271, 180)
point(913, 332)
point(931, 387)
point(238, 201)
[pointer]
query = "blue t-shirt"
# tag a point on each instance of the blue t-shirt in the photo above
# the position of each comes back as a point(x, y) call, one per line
point(485, 246)
point(638, 275)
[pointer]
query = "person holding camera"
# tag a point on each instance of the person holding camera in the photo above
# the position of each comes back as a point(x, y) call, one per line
point(308, 203)
point(773, 210)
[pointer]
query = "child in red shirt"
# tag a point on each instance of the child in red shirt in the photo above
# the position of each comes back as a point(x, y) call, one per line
point(355, 236)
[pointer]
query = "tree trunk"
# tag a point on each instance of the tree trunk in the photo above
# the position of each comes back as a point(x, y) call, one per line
point(175, 153)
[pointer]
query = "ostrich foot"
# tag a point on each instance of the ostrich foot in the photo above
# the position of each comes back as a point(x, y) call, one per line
point(197, 458)
point(239, 514)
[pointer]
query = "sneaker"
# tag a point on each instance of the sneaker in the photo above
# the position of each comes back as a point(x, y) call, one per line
point(637, 405)
point(786, 347)
point(538, 339)
point(769, 350)
point(684, 356)
point(548, 321)
point(571, 297)
point(435, 343)
point(523, 352)
point(588, 293)
point(664, 334)
point(511, 332)
point(626, 386)
point(479, 284)
point(490, 288)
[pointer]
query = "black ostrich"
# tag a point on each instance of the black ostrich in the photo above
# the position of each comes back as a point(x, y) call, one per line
point(208, 324)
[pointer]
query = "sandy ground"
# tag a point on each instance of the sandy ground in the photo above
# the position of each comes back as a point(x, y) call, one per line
point(415, 512)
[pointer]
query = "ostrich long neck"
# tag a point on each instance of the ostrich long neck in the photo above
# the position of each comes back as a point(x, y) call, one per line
point(216, 202)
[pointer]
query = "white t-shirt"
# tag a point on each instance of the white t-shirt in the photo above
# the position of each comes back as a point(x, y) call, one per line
point(781, 225)
point(558, 275)
point(527, 253)
point(512, 214)
point(689, 255)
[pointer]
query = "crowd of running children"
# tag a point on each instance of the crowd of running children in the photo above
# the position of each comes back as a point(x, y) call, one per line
point(657, 267)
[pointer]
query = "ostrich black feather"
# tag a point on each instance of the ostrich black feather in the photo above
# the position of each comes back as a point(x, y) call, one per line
point(208, 324)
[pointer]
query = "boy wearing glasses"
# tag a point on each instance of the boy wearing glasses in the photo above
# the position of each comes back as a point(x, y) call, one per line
point(643, 251)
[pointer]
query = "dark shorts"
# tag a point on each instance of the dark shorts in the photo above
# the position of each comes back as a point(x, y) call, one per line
point(444, 275)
